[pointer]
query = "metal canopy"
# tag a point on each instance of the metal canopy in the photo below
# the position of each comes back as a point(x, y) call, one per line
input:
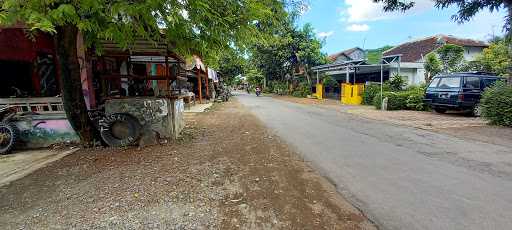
point(152, 59)
point(362, 66)
point(140, 47)
point(339, 65)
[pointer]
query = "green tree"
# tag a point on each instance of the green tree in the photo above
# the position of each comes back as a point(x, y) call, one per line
point(231, 63)
point(194, 26)
point(432, 66)
point(307, 50)
point(451, 56)
point(329, 81)
point(254, 77)
point(495, 59)
point(290, 49)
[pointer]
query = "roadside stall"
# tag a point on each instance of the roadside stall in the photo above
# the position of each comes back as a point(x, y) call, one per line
point(140, 91)
point(32, 113)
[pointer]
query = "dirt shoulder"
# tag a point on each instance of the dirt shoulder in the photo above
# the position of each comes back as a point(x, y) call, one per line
point(227, 172)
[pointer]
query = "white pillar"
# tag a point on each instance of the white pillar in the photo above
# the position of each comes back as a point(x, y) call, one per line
point(347, 80)
point(381, 87)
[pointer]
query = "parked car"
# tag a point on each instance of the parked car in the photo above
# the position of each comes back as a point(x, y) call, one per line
point(458, 91)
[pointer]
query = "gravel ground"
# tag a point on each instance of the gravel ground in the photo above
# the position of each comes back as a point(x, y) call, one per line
point(226, 172)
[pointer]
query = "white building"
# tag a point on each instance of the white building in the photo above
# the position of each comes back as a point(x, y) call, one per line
point(412, 55)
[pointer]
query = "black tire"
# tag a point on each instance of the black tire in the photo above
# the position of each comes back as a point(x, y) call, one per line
point(440, 110)
point(10, 132)
point(476, 111)
point(120, 129)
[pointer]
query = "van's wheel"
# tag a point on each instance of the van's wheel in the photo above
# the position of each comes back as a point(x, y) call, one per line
point(120, 129)
point(8, 137)
point(477, 111)
point(440, 110)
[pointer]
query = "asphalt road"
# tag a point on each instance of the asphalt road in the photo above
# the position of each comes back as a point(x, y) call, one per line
point(401, 177)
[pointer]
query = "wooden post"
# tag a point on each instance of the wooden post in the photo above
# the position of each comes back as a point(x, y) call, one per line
point(167, 83)
point(199, 88)
point(207, 91)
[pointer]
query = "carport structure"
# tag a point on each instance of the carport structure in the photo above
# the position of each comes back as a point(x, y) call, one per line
point(353, 75)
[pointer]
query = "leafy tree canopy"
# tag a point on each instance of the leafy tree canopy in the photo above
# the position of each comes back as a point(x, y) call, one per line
point(451, 56)
point(193, 26)
point(432, 66)
point(201, 27)
point(290, 49)
point(495, 59)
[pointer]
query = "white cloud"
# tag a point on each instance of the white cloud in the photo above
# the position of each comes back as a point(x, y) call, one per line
point(367, 10)
point(358, 27)
point(325, 34)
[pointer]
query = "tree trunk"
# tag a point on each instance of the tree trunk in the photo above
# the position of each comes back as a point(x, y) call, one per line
point(72, 94)
point(306, 73)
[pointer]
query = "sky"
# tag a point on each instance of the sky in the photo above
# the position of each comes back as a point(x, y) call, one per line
point(344, 24)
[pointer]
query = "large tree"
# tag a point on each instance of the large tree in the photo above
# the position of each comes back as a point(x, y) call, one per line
point(289, 49)
point(200, 26)
point(495, 59)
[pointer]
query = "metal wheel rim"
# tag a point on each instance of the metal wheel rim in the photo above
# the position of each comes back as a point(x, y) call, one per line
point(5, 137)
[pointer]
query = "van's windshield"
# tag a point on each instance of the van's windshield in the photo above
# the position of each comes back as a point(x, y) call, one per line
point(433, 83)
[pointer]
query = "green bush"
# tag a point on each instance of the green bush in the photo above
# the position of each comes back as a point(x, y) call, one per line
point(277, 87)
point(369, 93)
point(373, 90)
point(397, 100)
point(415, 98)
point(303, 90)
point(415, 102)
point(397, 83)
point(404, 100)
point(496, 104)
point(377, 100)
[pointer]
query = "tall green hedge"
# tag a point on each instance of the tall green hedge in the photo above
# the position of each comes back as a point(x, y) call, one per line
point(370, 91)
point(496, 104)
point(402, 100)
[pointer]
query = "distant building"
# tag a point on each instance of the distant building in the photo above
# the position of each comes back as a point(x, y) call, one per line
point(412, 54)
point(407, 60)
point(352, 54)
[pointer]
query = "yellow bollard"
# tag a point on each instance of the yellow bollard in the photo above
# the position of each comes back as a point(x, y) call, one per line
point(352, 94)
point(319, 91)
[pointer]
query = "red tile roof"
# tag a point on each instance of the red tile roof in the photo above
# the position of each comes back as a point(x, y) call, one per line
point(414, 51)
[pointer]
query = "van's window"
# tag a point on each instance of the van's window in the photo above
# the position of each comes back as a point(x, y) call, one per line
point(489, 82)
point(472, 82)
point(434, 83)
point(449, 82)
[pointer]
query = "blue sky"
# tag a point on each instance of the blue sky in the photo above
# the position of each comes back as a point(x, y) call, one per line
point(348, 23)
